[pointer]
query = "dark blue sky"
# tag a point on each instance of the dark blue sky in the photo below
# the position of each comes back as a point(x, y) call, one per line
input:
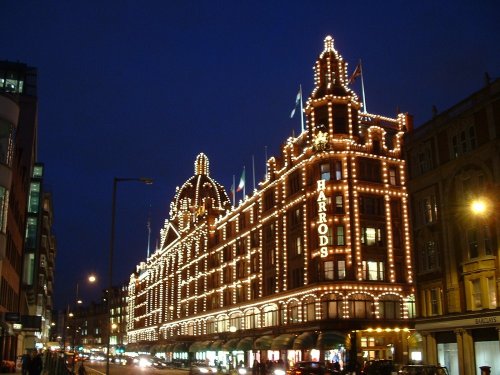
point(139, 88)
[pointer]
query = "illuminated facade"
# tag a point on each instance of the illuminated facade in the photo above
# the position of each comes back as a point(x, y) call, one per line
point(455, 165)
point(316, 263)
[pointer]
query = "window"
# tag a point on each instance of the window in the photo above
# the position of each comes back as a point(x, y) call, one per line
point(340, 235)
point(369, 170)
point(373, 270)
point(473, 244)
point(298, 245)
point(31, 229)
point(6, 143)
point(325, 171)
point(329, 272)
point(339, 204)
point(270, 316)
point(488, 249)
point(371, 205)
point(492, 293)
point(429, 256)
point(331, 306)
point(429, 209)
point(434, 301)
point(476, 294)
point(294, 312)
point(4, 200)
point(294, 183)
point(341, 269)
point(371, 236)
point(392, 176)
point(309, 309)
point(338, 170)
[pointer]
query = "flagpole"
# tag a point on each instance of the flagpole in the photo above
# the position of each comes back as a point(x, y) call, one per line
point(234, 191)
point(301, 110)
point(362, 87)
point(253, 171)
point(265, 152)
point(244, 182)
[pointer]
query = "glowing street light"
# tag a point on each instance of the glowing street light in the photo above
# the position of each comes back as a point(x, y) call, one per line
point(478, 206)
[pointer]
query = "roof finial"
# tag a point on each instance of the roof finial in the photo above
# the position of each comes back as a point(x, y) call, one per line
point(201, 164)
point(328, 44)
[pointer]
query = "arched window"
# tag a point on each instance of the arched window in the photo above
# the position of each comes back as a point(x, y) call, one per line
point(251, 319)
point(222, 324)
point(293, 312)
point(235, 321)
point(389, 307)
point(331, 306)
point(211, 325)
point(309, 309)
point(190, 329)
point(361, 306)
point(270, 316)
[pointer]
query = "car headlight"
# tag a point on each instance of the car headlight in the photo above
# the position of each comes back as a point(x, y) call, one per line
point(242, 371)
point(279, 372)
point(204, 370)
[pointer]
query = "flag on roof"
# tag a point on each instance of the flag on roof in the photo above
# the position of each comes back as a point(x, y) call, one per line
point(297, 102)
point(241, 185)
point(357, 72)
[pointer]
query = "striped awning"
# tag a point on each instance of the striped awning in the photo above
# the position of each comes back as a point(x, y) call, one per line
point(330, 340)
point(245, 344)
point(230, 345)
point(217, 345)
point(306, 340)
point(263, 343)
point(283, 342)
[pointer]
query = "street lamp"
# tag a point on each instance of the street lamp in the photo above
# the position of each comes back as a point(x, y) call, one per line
point(478, 206)
point(116, 180)
point(91, 279)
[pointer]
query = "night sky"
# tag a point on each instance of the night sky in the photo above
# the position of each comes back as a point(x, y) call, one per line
point(139, 88)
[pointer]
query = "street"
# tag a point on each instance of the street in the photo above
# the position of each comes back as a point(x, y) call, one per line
point(98, 368)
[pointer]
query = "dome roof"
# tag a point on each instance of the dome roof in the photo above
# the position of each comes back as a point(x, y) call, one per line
point(195, 192)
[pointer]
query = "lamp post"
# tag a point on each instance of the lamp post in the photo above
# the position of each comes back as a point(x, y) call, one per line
point(116, 180)
point(91, 279)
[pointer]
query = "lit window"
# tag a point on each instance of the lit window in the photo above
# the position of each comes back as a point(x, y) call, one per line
point(329, 270)
point(339, 204)
point(338, 170)
point(341, 269)
point(370, 236)
point(340, 236)
point(492, 292)
point(325, 171)
point(476, 293)
point(373, 270)
point(392, 176)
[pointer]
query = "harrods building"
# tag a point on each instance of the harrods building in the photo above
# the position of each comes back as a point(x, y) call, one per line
point(314, 264)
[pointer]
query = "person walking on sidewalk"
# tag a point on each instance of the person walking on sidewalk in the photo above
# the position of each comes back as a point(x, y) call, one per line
point(36, 364)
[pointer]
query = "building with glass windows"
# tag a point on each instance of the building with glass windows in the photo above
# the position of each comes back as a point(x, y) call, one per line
point(315, 264)
point(454, 183)
point(18, 128)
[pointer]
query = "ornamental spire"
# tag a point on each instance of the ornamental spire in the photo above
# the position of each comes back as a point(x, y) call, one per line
point(201, 164)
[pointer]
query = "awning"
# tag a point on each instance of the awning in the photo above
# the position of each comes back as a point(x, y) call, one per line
point(263, 343)
point(195, 347)
point(283, 342)
point(230, 345)
point(169, 348)
point(330, 340)
point(180, 348)
point(245, 344)
point(306, 340)
point(216, 345)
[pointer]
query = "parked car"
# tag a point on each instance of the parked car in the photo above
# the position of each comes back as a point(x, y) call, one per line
point(423, 370)
point(308, 367)
point(379, 367)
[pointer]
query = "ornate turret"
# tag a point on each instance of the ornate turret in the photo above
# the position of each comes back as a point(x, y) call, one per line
point(197, 195)
point(332, 108)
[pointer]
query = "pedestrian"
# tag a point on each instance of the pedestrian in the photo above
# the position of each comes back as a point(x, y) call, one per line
point(25, 362)
point(36, 364)
point(81, 370)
